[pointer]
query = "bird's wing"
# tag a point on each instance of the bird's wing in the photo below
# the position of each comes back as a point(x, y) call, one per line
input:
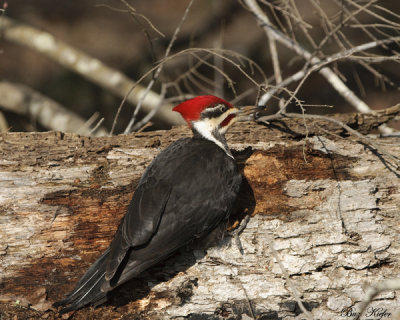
point(178, 198)
point(139, 224)
point(146, 208)
point(200, 198)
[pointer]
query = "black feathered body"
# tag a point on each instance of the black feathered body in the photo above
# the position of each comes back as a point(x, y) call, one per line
point(184, 194)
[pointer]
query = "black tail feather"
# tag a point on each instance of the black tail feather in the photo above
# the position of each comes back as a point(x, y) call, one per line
point(88, 289)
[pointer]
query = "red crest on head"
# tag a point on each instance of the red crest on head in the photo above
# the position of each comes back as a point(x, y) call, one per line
point(192, 108)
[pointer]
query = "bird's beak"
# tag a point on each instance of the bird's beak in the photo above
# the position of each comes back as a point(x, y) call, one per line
point(247, 113)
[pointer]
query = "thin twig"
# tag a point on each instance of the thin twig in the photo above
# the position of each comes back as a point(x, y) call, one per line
point(96, 126)
point(374, 290)
point(305, 72)
point(3, 123)
point(219, 63)
point(151, 114)
point(83, 64)
point(361, 137)
point(373, 14)
point(274, 58)
point(158, 70)
point(135, 14)
point(227, 56)
point(341, 55)
point(293, 288)
point(89, 122)
point(332, 78)
point(286, 13)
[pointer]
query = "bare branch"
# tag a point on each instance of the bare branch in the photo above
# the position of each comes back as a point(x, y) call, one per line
point(96, 126)
point(158, 70)
point(289, 281)
point(303, 74)
point(332, 78)
point(339, 56)
point(3, 123)
point(373, 14)
point(50, 114)
point(85, 65)
point(364, 139)
point(235, 59)
point(135, 14)
point(374, 290)
point(139, 125)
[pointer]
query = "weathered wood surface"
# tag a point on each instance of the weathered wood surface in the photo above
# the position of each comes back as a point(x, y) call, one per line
point(329, 206)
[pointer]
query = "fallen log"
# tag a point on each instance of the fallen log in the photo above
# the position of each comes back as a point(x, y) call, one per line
point(324, 207)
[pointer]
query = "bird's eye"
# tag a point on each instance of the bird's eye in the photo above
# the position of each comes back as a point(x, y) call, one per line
point(220, 108)
point(214, 111)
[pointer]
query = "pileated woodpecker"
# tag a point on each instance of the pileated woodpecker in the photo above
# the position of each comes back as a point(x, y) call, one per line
point(188, 189)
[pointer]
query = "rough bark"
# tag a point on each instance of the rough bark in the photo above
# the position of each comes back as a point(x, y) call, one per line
point(328, 205)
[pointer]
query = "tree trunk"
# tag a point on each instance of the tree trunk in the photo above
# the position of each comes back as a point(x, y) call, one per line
point(328, 206)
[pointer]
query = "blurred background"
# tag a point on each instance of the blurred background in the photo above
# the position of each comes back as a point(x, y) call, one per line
point(132, 37)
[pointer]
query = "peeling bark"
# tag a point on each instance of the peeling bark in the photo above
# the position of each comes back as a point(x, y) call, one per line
point(329, 207)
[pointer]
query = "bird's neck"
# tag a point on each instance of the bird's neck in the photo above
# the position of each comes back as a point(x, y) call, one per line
point(202, 131)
